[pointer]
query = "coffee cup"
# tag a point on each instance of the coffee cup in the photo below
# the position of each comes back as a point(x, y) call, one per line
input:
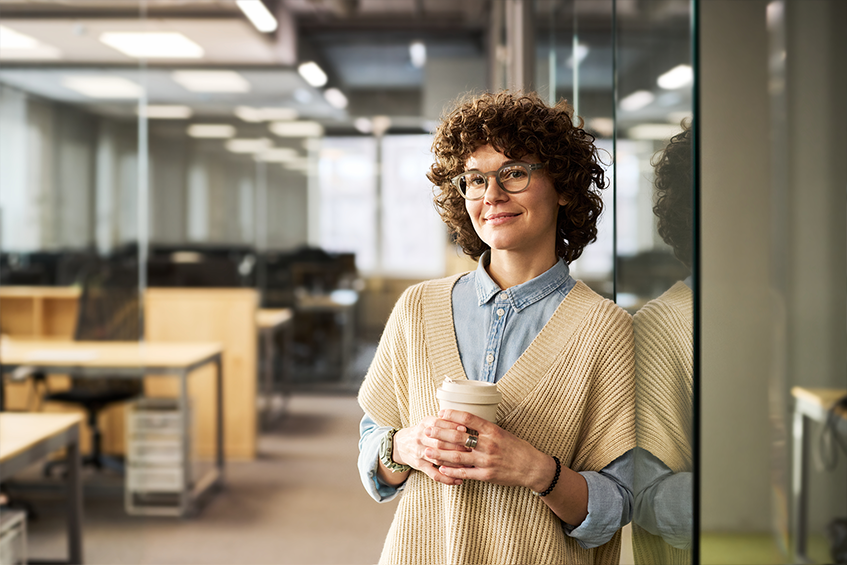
point(477, 397)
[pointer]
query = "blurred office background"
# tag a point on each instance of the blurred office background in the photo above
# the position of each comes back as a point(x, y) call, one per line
point(289, 161)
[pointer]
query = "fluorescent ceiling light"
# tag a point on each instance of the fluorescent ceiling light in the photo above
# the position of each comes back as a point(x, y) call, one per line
point(603, 126)
point(678, 117)
point(211, 81)
point(211, 131)
point(312, 74)
point(637, 100)
point(364, 125)
point(417, 52)
point(11, 39)
point(250, 114)
point(579, 54)
point(677, 77)
point(297, 129)
point(152, 44)
point(167, 112)
point(653, 131)
point(100, 86)
point(248, 145)
point(16, 45)
point(335, 98)
point(279, 155)
point(381, 124)
point(258, 15)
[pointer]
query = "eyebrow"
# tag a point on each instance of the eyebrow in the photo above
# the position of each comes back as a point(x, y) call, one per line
point(503, 164)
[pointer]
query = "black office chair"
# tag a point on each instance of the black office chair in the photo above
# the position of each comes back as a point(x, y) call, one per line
point(108, 311)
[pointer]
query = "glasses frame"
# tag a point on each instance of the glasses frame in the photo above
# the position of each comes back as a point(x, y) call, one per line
point(529, 167)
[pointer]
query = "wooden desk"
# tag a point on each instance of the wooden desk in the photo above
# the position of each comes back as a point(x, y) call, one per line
point(26, 438)
point(98, 359)
point(39, 310)
point(809, 404)
point(269, 321)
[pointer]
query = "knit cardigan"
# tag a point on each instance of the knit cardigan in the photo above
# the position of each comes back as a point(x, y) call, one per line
point(570, 394)
point(664, 378)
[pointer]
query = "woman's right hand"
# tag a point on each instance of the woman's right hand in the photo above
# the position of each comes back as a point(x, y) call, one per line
point(410, 445)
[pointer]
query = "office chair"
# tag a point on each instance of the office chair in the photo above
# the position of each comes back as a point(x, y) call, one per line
point(108, 311)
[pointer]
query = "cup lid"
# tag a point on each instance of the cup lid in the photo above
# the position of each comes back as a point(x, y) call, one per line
point(470, 392)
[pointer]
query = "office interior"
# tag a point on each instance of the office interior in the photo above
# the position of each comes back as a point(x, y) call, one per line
point(262, 191)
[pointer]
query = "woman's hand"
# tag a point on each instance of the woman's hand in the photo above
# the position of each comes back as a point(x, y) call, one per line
point(411, 445)
point(499, 456)
point(502, 458)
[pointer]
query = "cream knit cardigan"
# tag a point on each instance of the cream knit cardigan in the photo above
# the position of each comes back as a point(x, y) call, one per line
point(571, 394)
point(664, 356)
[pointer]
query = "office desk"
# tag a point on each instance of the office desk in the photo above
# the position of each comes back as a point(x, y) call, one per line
point(26, 438)
point(341, 303)
point(809, 404)
point(128, 360)
point(269, 321)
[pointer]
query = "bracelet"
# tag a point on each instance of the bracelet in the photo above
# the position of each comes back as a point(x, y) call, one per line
point(555, 479)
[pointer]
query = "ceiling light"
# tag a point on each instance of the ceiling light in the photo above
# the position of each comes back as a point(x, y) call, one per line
point(297, 129)
point(99, 86)
point(677, 77)
point(312, 144)
point(364, 125)
point(11, 39)
point(578, 55)
point(603, 126)
point(250, 114)
point(653, 131)
point(278, 155)
point(637, 100)
point(381, 124)
point(167, 112)
point(153, 44)
point(248, 145)
point(211, 81)
point(258, 15)
point(211, 131)
point(298, 165)
point(417, 52)
point(335, 98)
point(312, 74)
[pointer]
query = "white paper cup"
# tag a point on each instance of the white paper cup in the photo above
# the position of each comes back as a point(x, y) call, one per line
point(477, 397)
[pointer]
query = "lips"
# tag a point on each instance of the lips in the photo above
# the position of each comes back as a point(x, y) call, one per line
point(502, 217)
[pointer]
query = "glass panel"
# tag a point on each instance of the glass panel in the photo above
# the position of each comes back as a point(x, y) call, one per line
point(655, 257)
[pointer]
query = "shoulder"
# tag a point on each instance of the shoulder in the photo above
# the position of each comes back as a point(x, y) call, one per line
point(598, 307)
point(429, 290)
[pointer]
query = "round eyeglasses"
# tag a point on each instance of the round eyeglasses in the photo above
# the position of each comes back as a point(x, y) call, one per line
point(511, 177)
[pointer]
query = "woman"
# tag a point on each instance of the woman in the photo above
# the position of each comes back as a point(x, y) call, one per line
point(518, 184)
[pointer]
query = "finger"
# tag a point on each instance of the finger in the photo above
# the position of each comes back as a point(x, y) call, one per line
point(461, 473)
point(450, 458)
point(466, 419)
point(435, 474)
point(451, 436)
point(447, 425)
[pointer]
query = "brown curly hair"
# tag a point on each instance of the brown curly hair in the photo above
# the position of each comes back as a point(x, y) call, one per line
point(517, 125)
point(672, 196)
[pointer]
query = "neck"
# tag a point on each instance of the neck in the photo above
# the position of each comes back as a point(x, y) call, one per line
point(511, 269)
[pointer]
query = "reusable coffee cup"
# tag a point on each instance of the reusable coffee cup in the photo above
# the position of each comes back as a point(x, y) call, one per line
point(477, 397)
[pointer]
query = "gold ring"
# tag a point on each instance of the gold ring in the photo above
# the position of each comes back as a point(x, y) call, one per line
point(471, 441)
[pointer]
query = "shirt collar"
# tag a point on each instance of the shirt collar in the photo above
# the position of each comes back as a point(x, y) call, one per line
point(522, 295)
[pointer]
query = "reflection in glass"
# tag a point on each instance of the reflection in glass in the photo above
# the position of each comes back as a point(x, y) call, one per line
point(664, 375)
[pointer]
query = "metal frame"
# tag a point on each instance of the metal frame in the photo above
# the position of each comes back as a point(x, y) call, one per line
point(68, 438)
point(214, 477)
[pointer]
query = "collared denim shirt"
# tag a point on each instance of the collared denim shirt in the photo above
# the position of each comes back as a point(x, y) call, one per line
point(493, 329)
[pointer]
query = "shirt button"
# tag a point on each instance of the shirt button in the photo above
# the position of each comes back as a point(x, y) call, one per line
point(490, 358)
point(503, 296)
point(500, 311)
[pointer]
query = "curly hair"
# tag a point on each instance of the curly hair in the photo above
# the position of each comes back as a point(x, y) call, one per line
point(672, 197)
point(517, 125)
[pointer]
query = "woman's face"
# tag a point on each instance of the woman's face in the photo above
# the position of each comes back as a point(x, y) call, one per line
point(524, 222)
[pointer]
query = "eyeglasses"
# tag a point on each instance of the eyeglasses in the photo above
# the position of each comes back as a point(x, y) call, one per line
point(512, 178)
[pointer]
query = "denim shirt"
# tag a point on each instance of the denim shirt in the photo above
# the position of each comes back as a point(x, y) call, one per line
point(493, 329)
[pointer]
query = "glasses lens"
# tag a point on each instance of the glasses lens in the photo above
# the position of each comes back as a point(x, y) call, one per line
point(514, 178)
point(472, 185)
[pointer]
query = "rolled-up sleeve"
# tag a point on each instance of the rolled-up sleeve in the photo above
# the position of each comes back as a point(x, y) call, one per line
point(370, 435)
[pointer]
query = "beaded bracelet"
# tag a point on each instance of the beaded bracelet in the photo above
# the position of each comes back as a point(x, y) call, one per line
point(555, 479)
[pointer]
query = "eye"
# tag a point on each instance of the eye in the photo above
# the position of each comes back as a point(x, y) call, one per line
point(474, 180)
point(513, 173)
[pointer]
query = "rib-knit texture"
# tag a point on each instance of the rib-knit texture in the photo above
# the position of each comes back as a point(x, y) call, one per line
point(664, 365)
point(571, 394)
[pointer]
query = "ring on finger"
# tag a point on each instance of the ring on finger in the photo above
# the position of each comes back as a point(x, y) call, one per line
point(471, 441)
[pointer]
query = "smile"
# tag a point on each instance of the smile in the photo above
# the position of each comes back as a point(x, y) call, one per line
point(498, 219)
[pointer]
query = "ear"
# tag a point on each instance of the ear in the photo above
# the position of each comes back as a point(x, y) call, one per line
point(562, 199)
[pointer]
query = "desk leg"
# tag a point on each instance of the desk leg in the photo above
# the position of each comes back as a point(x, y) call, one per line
point(220, 415)
point(74, 502)
point(800, 486)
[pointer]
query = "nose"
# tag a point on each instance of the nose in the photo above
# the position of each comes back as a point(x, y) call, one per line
point(493, 191)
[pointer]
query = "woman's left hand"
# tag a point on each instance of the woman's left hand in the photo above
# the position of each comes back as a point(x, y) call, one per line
point(499, 457)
